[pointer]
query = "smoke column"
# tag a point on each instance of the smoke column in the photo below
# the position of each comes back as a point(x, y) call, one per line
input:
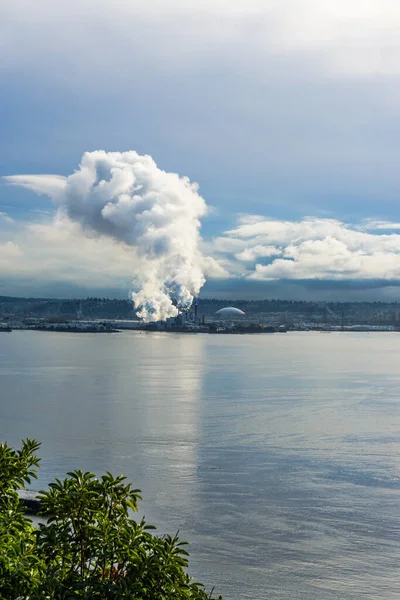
point(126, 196)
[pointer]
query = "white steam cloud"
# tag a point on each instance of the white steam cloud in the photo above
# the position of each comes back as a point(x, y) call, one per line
point(125, 196)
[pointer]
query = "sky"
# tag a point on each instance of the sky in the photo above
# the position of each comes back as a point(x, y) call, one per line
point(286, 113)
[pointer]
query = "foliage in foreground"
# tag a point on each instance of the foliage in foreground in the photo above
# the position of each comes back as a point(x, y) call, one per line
point(89, 547)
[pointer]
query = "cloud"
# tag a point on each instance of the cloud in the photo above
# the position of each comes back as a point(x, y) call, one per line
point(50, 185)
point(313, 258)
point(373, 225)
point(213, 269)
point(56, 251)
point(9, 251)
point(312, 249)
point(258, 251)
point(289, 108)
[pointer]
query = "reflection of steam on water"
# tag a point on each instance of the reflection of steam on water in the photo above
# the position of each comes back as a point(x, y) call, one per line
point(155, 422)
point(126, 196)
point(172, 414)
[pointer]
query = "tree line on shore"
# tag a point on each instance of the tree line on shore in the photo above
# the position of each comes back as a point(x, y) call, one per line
point(103, 308)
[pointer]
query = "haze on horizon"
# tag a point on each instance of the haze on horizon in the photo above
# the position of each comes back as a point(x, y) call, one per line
point(286, 113)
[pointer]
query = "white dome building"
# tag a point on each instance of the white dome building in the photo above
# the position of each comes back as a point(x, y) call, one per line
point(231, 313)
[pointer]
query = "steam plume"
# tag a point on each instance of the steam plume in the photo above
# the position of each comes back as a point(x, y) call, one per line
point(127, 197)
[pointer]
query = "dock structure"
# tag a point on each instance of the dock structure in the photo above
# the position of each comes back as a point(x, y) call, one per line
point(29, 499)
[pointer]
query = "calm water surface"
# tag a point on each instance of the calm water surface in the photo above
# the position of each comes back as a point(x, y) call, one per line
point(277, 456)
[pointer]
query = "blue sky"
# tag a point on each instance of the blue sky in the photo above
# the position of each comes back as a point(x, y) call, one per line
point(286, 110)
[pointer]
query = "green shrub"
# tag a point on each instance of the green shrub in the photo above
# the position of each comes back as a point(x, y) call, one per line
point(89, 546)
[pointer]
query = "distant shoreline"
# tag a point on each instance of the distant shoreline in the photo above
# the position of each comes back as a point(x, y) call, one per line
point(69, 330)
point(191, 332)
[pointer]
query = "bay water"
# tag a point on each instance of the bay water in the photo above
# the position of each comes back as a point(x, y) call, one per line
point(276, 456)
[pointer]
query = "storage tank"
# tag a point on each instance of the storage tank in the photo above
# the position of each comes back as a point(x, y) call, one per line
point(230, 312)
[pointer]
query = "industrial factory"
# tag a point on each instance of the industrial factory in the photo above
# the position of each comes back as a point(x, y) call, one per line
point(226, 320)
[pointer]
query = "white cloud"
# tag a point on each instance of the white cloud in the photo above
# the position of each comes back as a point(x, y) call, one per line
point(213, 269)
point(373, 225)
point(57, 251)
point(312, 249)
point(51, 185)
point(258, 251)
point(9, 252)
